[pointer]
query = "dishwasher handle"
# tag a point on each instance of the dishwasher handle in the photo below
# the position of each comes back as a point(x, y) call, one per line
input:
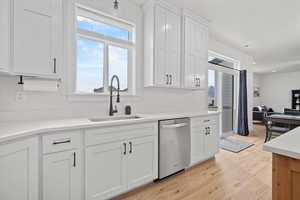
point(174, 125)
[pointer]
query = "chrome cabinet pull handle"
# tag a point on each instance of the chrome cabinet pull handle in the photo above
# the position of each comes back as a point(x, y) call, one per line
point(198, 82)
point(130, 146)
point(125, 152)
point(171, 79)
point(74, 159)
point(61, 142)
point(54, 65)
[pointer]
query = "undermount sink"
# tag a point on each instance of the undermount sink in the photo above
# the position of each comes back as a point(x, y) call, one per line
point(104, 119)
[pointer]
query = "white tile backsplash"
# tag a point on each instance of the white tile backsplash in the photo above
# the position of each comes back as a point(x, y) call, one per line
point(45, 105)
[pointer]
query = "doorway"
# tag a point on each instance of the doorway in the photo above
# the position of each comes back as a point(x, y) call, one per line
point(226, 79)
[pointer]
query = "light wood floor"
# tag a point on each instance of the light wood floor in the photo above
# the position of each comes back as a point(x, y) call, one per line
point(243, 176)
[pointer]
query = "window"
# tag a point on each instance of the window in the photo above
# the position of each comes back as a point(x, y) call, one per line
point(105, 48)
point(212, 88)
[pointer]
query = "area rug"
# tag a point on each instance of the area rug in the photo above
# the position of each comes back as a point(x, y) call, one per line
point(234, 145)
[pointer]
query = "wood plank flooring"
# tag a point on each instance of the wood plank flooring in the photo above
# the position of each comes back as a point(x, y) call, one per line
point(243, 176)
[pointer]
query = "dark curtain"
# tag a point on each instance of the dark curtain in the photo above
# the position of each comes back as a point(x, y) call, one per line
point(243, 128)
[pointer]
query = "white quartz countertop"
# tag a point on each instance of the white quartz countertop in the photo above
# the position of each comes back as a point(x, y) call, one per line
point(15, 130)
point(286, 145)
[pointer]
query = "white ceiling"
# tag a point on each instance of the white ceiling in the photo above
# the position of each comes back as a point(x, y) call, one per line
point(271, 28)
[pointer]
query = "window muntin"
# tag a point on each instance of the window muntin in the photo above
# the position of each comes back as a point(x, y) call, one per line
point(116, 36)
point(102, 28)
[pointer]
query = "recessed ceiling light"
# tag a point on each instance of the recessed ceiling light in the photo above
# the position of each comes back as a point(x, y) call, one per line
point(273, 71)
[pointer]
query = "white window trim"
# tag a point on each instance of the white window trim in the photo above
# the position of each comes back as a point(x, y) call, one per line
point(84, 11)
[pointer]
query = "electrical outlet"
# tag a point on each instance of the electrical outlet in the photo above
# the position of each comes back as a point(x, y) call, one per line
point(20, 97)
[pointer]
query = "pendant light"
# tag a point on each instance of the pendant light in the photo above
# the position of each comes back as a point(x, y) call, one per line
point(116, 4)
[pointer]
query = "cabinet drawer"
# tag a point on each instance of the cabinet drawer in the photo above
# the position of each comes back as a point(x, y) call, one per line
point(203, 121)
point(61, 141)
point(210, 120)
point(119, 133)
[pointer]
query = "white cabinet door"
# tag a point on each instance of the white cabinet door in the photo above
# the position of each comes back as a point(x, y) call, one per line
point(160, 76)
point(62, 176)
point(105, 170)
point(196, 53)
point(190, 53)
point(141, 161)
point(211, 141)
point(162, 45)
point(204, 138)
point(4, 34)
point(173, 48)
point(197, 146)
point(19, 170)
point(37, 33)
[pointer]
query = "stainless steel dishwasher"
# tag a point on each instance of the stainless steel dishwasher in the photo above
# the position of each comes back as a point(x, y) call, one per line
point(174, 146)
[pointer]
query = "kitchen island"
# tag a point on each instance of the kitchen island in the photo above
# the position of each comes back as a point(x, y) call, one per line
point(285, 165)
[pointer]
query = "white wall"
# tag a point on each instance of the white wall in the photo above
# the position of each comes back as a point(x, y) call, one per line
point(276, 89)
point(41, 105)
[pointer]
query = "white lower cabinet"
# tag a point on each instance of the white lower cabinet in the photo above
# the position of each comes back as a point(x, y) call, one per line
point(141, 161)
point(117, 167)
point(105, 170)
point(211, 140)
point(19, 170)
point(197, 146)
point(116, 159)
point(123, 163)
point(62, 176)
point(204, 138)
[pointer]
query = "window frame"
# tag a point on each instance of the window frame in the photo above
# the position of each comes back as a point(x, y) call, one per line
point(107, 41)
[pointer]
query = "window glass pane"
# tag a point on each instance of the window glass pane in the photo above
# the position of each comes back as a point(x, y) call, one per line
point(118, 65)
point(89, 65)
point(102, 28)
point(212, 88)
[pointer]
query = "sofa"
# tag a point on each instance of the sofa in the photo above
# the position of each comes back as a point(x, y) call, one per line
point(258, 112)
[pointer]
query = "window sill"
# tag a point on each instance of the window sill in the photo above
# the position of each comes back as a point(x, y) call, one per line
point(103, 97)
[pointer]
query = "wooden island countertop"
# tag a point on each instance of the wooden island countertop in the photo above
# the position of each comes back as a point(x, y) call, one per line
point(285, 165)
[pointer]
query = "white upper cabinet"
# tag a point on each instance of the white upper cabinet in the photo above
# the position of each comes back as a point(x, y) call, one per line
point(162, 45)
point(195, 39)
point(37, 37)
point(19, 170)
point(4, 35)
point(173, 49)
